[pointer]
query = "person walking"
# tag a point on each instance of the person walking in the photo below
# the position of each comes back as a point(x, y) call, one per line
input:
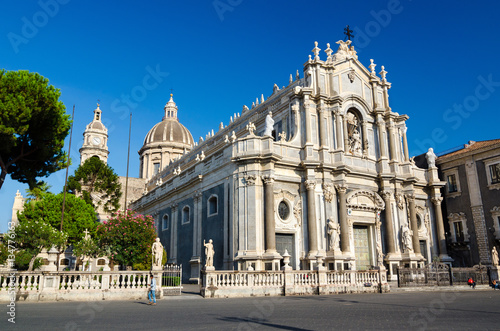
point(152, 291)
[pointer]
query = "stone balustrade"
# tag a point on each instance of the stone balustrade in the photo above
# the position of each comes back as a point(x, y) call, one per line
point(223, 283)
point(76, 285)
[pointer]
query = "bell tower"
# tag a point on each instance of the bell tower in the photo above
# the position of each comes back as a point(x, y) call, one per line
point(95, 139)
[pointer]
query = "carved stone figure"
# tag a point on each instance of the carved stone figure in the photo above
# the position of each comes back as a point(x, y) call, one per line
point(157, 250)
point(333, 232)
point(380, 255)
point(431, 158)
point(328, 192)
point(494, 256)
point(268, 131)
point(407, 240)
point(209, 253)
point(355, 142)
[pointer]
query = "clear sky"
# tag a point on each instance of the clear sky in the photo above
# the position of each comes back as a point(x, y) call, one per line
point(441, 58)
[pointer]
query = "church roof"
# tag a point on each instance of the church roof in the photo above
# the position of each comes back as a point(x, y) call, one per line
point(471, 147)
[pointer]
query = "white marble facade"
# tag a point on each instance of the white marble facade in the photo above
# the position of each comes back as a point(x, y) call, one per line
point(337, 159)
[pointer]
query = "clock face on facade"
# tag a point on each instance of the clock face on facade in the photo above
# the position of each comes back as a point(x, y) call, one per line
point(283, 210)
point(96, 140)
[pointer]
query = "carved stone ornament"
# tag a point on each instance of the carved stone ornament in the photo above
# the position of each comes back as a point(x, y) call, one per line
point(437, 201)
point(328, 192)
point(282, 136)
point(351, 75)
point(297, 211)
point(233, 137)
point(400, 200)
point(250, 180)
point(268, 179)
point(371, 201)
point(310, 184)
point(341, 188)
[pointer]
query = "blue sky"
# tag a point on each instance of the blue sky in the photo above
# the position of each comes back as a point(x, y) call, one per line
point(441, 58)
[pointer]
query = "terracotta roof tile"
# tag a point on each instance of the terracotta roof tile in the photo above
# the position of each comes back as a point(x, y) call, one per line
point(475, 146)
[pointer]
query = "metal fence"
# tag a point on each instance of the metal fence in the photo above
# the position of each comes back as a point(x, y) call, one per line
point(434, 274)
point(171, 280)
point(440, 274)
point(480, 274)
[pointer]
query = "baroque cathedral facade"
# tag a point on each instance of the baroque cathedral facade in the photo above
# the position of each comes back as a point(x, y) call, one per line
point(320, 169)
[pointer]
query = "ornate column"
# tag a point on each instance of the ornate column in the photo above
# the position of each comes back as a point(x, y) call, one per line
point(389, 228)
point(365, 137)
point(311, 217)
point(392, 140)
point(269, 213)
point(307, 113)
point(338, 129)
point(413, 223)
point(346, 134)
point(405, 146)
point(322, 125)
point(381, 131)
point(344, 225)
point(436, 201)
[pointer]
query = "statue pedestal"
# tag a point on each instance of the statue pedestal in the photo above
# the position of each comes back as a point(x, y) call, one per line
point(157, 268)
point(494, 273)
point(209, 268)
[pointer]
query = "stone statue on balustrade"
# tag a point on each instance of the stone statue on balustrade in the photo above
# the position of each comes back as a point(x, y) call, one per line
point(268, 130)
point(157, 250)
point(209, 255)
point(333, 232)
point(431, 158)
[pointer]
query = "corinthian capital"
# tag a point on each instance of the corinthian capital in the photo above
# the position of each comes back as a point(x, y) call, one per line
point(310, 184)
point(268, 179)
point(410, 197)
point(386, 195)
point(437, 200)
point(341, 188)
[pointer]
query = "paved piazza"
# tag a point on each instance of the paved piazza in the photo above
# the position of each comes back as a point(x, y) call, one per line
point(463, 310)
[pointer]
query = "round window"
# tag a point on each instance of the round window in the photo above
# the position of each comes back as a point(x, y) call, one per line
point(283, 210)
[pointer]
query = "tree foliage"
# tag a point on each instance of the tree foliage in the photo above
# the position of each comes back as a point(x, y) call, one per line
point(78, 215)
point(129, 237)
point(33, 235)
point(90, 247)
point(33, 125)
point(97, 183)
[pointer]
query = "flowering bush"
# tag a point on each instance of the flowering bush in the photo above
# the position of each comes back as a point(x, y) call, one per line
point(129, 237)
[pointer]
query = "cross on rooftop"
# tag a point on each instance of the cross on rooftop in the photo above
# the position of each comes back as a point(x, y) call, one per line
point(348, 33)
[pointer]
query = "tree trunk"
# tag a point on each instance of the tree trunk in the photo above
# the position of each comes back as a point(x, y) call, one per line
point(3, 174)
point(32, 261)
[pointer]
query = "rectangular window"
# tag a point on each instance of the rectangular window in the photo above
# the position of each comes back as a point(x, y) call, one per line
point(459, 231)
point(156, 168)
point(495, 173)
point(452, 184)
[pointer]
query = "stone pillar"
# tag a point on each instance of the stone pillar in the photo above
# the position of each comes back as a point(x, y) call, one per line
point(307, 114)
point(389, 228)
point(311, 217)
point(269, 214)
point(405, 146)
point(365, 137)
point(440, 226)
point(392, 140)
point(413, 223)
point(381, 131)
point(344, 225)
point(338, 129)
point(346, 135)
point(322, 126)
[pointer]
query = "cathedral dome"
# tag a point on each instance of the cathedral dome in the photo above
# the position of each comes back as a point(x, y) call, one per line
point(165, 142)
point(96, 125)
point(169, 130)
